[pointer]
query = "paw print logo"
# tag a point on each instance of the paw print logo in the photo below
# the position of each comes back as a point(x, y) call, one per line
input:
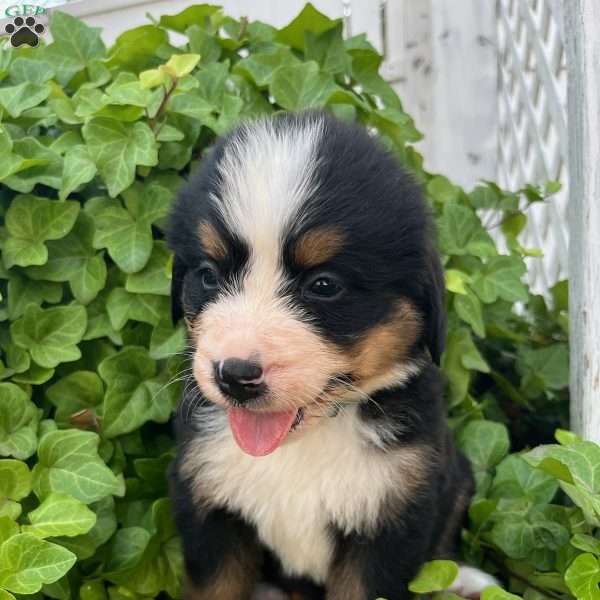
point(24, 31)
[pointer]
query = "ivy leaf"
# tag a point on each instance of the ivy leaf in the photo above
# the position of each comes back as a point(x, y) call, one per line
point(84, 546)
point(79, 168)
point(74, 259)
point(456, 280)
point(461, 232)
point(133, 395)
point(485, 196)
point(434, 576)
point(460, 358)
point(75, 45)
point(135, 49)
point(31, 68)
point(154, 278)
point(515, 478)
point(587, 543)
point(127, 90)
point(15, 484)
point(167, 133)
point(309, 19)
point(44, 166)
point(497, 593)
point(15, 479)
point(468, 308)
point(501, 278)
point(395, 124)
point(182, 64)
point(328, 50)
point(60, 514)
point(167, 339)
point(18, 422)
point(26, 563)
point(301, 86)
point(18, 98)
point(261, 67)
point(202, 15)
point(550, 364)
point(51, 335)
point(203, 43)
point(127, 232)
point(191, 104)
point(515, 537)
point(123, 306)
point(117, 147)
point(485, 443)
point(583, 577)
point(160, 567)
point(99, 324)
point(8, 528)
point(128, 241)
point(23, 291)
point(77, 391)
point(582, 459)
point(69, 464)
point(128, 548)
point(365, 71)
point(31, 221)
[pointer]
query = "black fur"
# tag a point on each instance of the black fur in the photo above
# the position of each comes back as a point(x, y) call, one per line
point(389, 253)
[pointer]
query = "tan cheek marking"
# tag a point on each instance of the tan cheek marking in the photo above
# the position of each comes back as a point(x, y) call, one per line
point(318, 246)
point(387, 344)
point(212, 243)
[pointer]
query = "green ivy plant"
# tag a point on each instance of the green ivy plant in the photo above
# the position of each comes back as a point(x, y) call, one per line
point(95, 143)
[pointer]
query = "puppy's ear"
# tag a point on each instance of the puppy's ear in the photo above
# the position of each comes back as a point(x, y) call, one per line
point(177, 276)
point(435, 322)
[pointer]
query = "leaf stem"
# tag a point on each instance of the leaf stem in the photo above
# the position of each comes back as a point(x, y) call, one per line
point(154, 120)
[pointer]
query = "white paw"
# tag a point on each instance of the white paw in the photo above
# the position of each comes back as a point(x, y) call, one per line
point(470, 582)
point(264, 591)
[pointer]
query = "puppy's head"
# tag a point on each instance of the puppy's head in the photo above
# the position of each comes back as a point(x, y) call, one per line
point(306, 274)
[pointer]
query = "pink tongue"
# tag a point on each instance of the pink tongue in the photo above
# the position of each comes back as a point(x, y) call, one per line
point(257, 433)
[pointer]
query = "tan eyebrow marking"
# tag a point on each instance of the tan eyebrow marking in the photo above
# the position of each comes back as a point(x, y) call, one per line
point(318, 246)
point(212, 243)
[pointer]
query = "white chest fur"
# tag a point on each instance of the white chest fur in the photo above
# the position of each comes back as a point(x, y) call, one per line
point(328, 474)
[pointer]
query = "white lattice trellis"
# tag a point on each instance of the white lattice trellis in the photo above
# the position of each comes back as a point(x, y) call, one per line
point(532, 132)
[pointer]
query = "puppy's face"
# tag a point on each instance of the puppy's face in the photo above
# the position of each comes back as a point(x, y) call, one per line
point(305, 274)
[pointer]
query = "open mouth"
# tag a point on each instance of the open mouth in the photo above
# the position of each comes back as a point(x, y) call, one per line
point(260, 433)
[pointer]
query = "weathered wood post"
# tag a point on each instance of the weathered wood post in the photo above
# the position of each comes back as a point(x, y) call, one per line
point(582, 22)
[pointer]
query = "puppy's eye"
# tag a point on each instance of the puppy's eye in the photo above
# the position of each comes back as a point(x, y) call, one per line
point(209, 277)
point(323, 287)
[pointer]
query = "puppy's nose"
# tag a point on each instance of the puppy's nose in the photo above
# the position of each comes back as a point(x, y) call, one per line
point(239, 379)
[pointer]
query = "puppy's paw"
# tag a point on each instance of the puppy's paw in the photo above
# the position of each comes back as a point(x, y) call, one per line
point(264, 591)
point(470, 582)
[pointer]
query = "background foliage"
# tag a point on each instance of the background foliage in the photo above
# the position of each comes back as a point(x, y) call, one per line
point(94, 144)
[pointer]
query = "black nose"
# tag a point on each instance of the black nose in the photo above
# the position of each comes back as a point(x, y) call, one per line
point(239, 379)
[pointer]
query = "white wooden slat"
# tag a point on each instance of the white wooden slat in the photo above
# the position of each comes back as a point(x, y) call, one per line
point(366, 17)
point(583, 57)
point(556, 108)
point(532, 112)
point(441, 59)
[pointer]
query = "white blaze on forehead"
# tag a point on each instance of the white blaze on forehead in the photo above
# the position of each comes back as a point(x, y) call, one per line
point(266, 174)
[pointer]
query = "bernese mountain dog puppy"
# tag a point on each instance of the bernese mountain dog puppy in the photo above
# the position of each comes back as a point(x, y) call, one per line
point(313, 448)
